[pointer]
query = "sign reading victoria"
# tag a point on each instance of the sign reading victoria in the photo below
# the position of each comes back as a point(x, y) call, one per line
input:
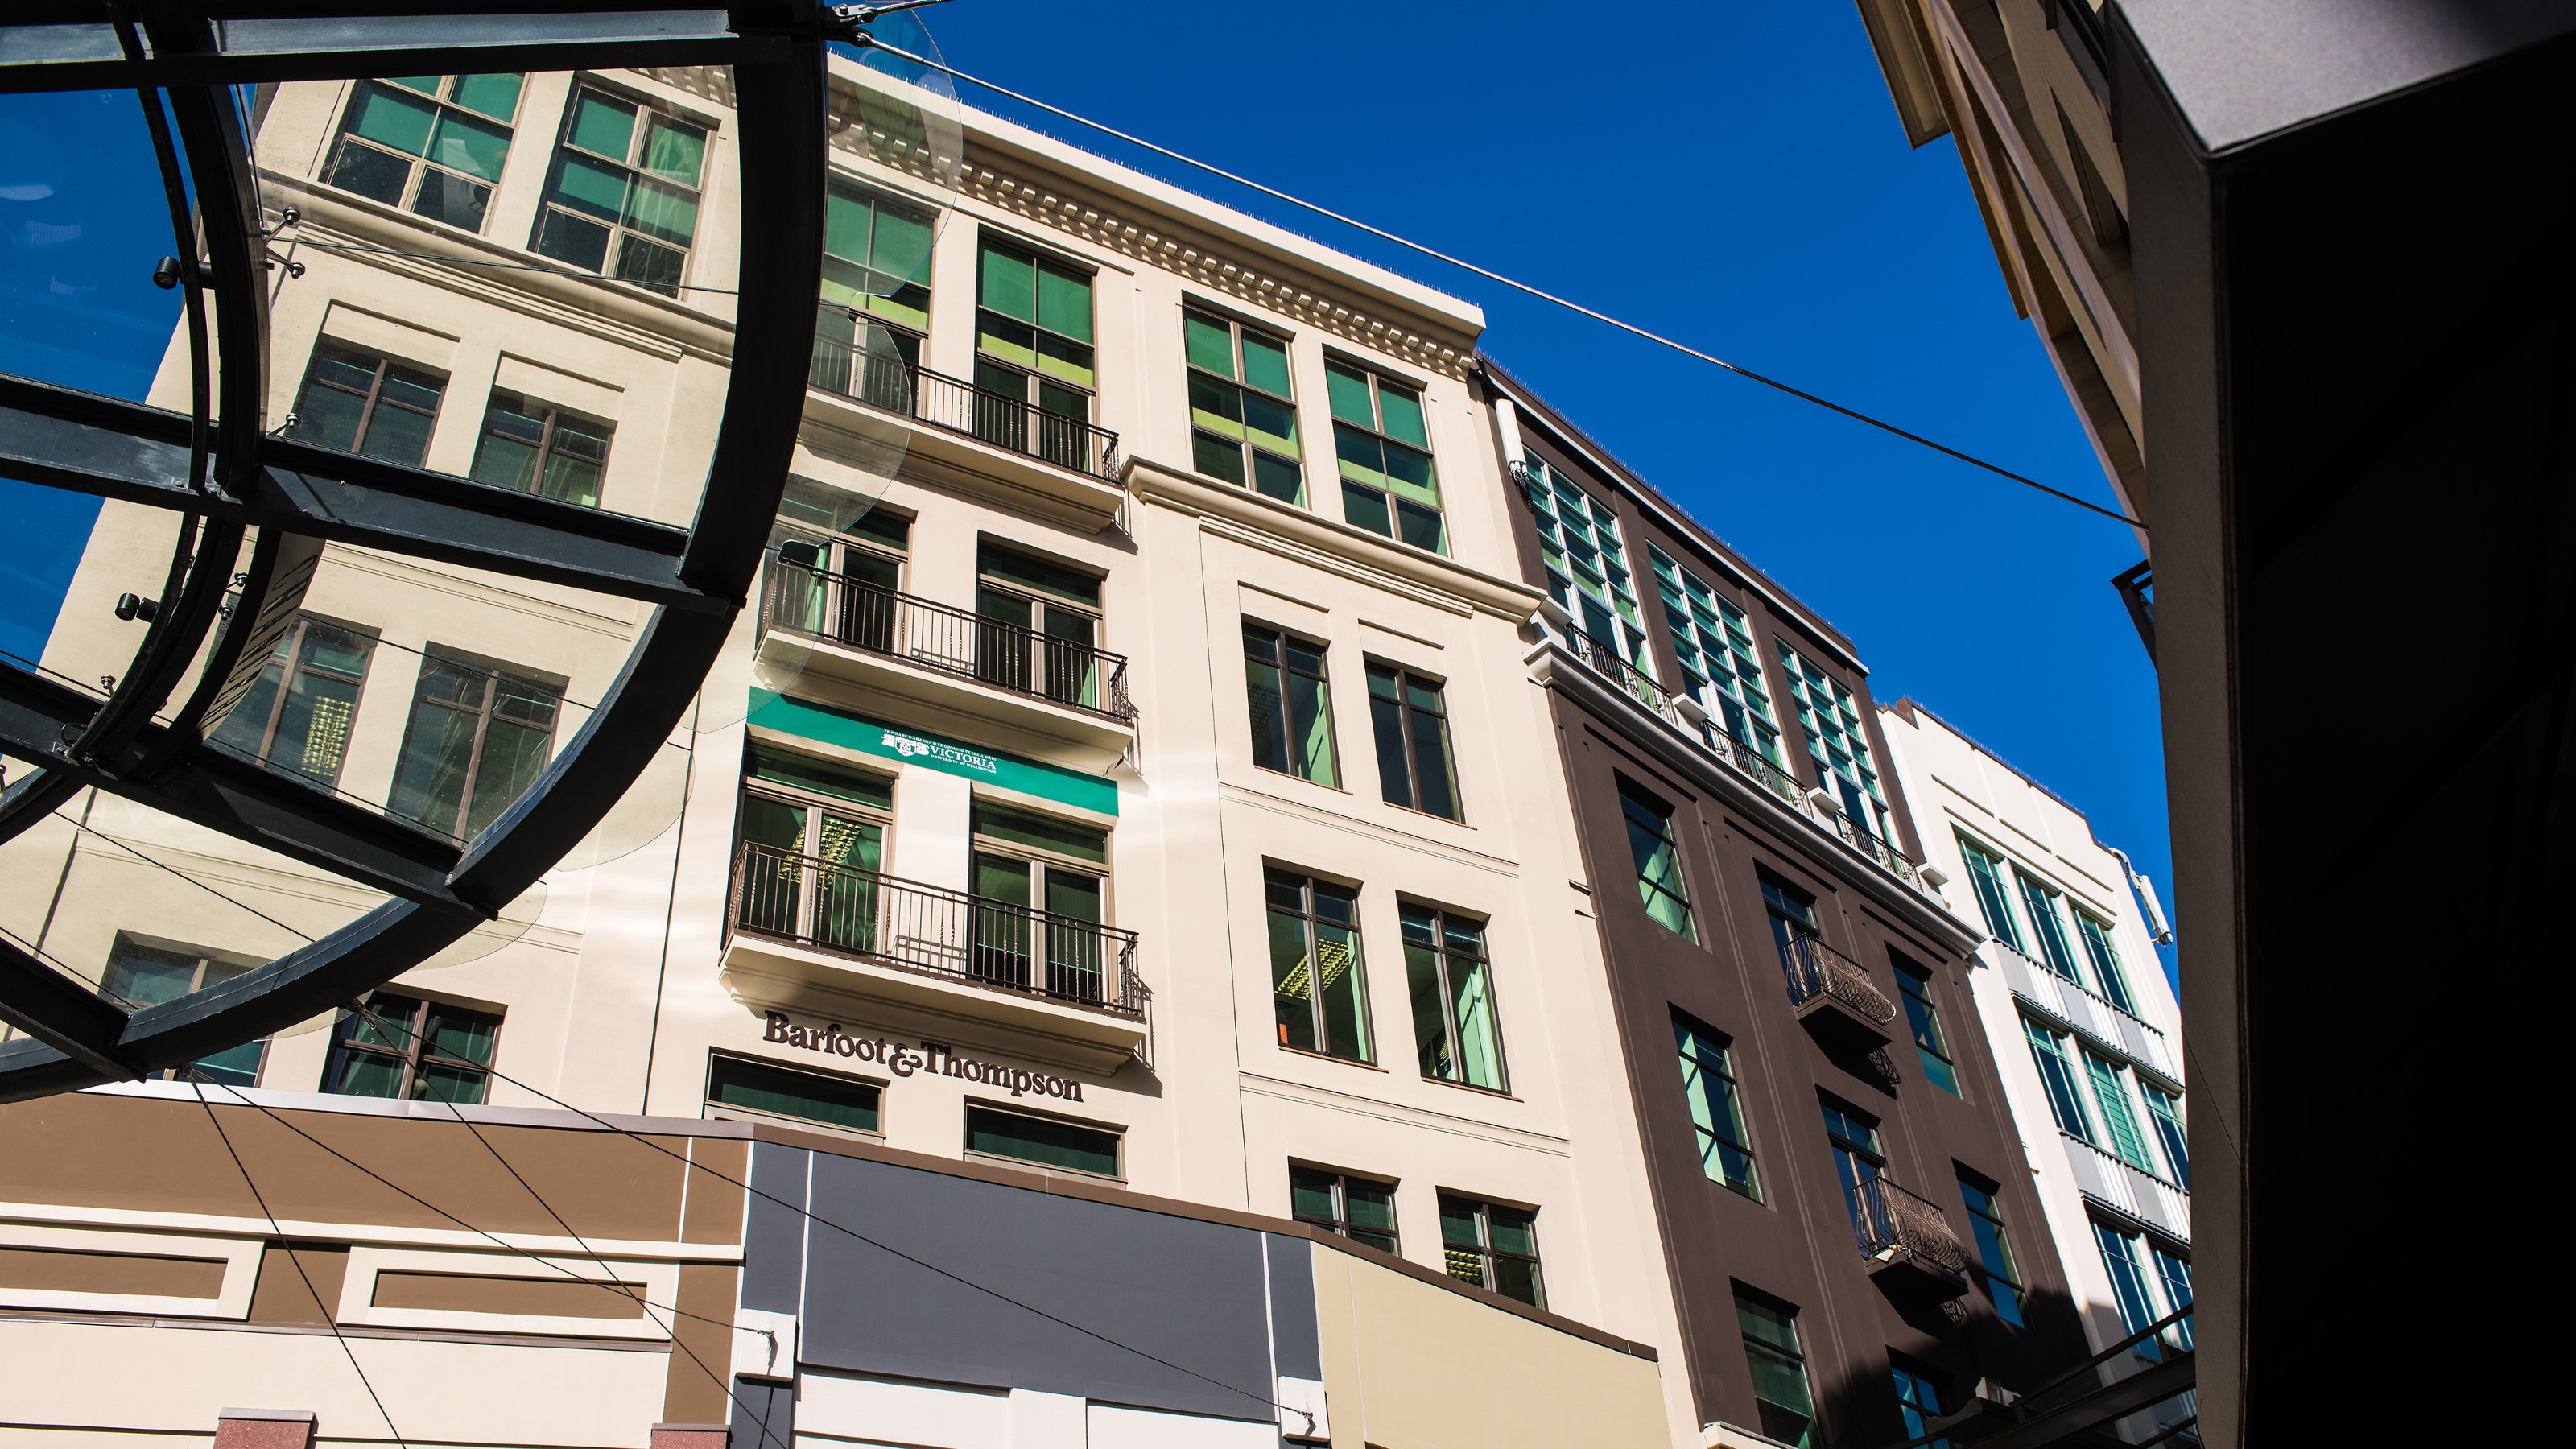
point(906, 1060)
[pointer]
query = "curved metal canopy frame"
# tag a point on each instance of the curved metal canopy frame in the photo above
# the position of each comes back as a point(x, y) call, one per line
point(225, 479)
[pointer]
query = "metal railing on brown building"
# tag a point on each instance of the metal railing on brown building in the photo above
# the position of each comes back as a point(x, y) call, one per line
point(1895, 1225)
point(1815, 969)
point(884, 380)
point(998, 945)
point(850, 610)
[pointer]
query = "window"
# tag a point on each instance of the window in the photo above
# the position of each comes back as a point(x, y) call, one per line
point(1986, 873)
point(1291, 704)
point(1994, 1251)
point(750, 1087)
point(407, 1048)
point(1385, 454)
point(1055, 1142)
point(295, 718)
point(1414, 767)
point(1837, 741)
point(359, 402)
point(1492, 1246)
point(1779, 1367)
point(1040, 629)
point(2049, 1050)
point(1918, 1400)
point(141, 975)
point(1243, 418)
point(1720, 666)
point(2145, 1293)
point(478, 736)
point(1358, 1209)
point(2106, 961)
point(1453, 998)
point(535, 448)
point(1038, 876)
point(2050, 926)
point(876, 296)
point(1792, 913)
point(432, 144)
point(1587, 565)
point(2119, 1120)
point(1033, 351)
point(1658, 859)
point(1708, 1085)
point(1930, 1046)
point(2164, 1109)
point(1315, 980)
point(839, 581)
point(1858, 1158)
point(623, 200)
point(813, 836)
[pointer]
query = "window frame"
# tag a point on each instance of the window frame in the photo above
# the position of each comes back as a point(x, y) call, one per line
point(491, 674)
point(1035, 654)
point(1487, 1255)
point(1551, 495)
point(1698, 1067)
point(1313, 922)
point(383, 365)
point(2109, 1080)
point(549, 417)
point(1338, 1183)
point(1914, 1385)
point(648, 109)
point(1840, 705)
point(1393, 501)
point(1444, 957)
point(293, 668)
point(1923, 1015)
point(2172, 1130)
point(1116, 1133)
point(1990, 1217)
point(808, 879)
point(202, 966)
point(1791, 1356)
point(1734, 642)
point(1404, 681)
point(440, 100)
point(2063, 1088)
point(2104, 952)
point(1635, 802)
point(1281, 641)
point(1035, 379)
point(417, 1053)
point(1998, 911)
point(714, 1110)
point(1247, 453)
point(2048, 923)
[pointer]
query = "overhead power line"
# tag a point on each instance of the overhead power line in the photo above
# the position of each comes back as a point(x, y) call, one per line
point(1659, 339)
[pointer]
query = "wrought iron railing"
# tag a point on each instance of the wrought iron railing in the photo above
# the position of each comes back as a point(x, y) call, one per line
point(850, 610)
point(884, 380)
point(1896, 1225)
point(1817, 970)
point(999, 945)
point(1638, 685)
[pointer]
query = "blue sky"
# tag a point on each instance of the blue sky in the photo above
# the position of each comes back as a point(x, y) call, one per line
point(1730, 174)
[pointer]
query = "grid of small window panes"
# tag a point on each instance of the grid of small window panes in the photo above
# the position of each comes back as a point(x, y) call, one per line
point(1830, 717)
point(1720, 667)
point(1587, 567)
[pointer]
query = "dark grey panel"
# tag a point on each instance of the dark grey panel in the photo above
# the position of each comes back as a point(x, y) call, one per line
point(1187, 1292)
point(1293, 1345)
point(773, 1235)
point(764, 1415)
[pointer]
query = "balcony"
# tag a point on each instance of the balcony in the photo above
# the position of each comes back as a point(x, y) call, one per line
point(819, 624)
point(2090, 1015)
point(813, 934)
point(1686, 717)
point(1907, 1240)
point(2132, 1193)
point(1834, 996)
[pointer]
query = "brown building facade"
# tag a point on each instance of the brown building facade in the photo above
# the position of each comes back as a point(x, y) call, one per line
point(1847, 1213)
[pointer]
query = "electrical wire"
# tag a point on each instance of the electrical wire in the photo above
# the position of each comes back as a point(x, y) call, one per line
point(1516, 285)
point(329, 1316)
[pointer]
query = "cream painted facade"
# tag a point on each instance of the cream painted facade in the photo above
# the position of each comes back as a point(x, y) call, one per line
point(616, 983)
point(1967, 799)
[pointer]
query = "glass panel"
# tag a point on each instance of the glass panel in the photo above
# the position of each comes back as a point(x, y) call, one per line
point(602, 126)
point(573, 240)
point(453, 200)
point(1063, 837)
point(496, 96)
point(1310, 1195)
point(780, 1092)
point(1208, 343)
point(1403, 410)
point(1064, 303)
point(1348, 391)
point(367, 1074)
point(1265, 364)
point(1010, 285)
point(1292, 981)
point(393, 119)
point(474, 147)
point(675, 151)
point(1043, 1141)
point(821, 776)
point(436, 1082)
point(372, 173)
point(590, 186)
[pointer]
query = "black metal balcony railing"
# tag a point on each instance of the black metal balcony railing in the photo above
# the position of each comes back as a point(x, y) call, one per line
point(1817, 970)
point(883, 380)
point(1014, 657)
point(1605, 660)
point(1897, 1226)
point(988, 943)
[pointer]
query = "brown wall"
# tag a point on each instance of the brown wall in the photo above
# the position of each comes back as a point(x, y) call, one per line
point(1797, 1243)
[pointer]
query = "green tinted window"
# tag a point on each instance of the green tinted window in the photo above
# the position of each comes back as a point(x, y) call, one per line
point(1043, 1141)
point(1042, 832)
point(823, 777)
point(776, 1091)
point(1382, 446)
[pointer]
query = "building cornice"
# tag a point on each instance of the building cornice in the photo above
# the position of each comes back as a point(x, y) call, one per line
point(1355, 553)
point(1552, 666)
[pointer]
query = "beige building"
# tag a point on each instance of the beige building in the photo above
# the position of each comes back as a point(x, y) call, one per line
point(2023, 87)
point(1129, 771)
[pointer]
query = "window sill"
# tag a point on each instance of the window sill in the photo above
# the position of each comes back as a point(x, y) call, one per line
point(1300, 779)
point(1043, 1169)
point(1329, 1057)
point(1499, 1093)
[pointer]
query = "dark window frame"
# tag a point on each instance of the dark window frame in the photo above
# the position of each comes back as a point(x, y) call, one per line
point(294, 667)
point(1404, 681)
point(1393, 502)
point(484, 713)
point(1313, 921)
point(1486, 1255)
point(415, 1052)
point(1639, 809)
point(731, 1112)
point(381, 366)
point(1247, 454)
point(203, 966)
point(1440, 921)
point(415, 184)
point(1283, 643)
point(1686, 1031)
point(1033, 381)
point(1923, 1016)
point(1339, 1183)
point(648, 109)
point(550, 419)
point(1981, 1199)
point(1791, 1355)
point(1115, 1133)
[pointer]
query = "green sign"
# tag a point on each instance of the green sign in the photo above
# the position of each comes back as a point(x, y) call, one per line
point(917, 747)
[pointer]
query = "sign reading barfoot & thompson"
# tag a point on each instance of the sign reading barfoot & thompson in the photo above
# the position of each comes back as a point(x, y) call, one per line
point(906, 1060)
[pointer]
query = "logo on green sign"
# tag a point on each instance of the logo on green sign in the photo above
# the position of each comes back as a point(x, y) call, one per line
point(911, 748)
